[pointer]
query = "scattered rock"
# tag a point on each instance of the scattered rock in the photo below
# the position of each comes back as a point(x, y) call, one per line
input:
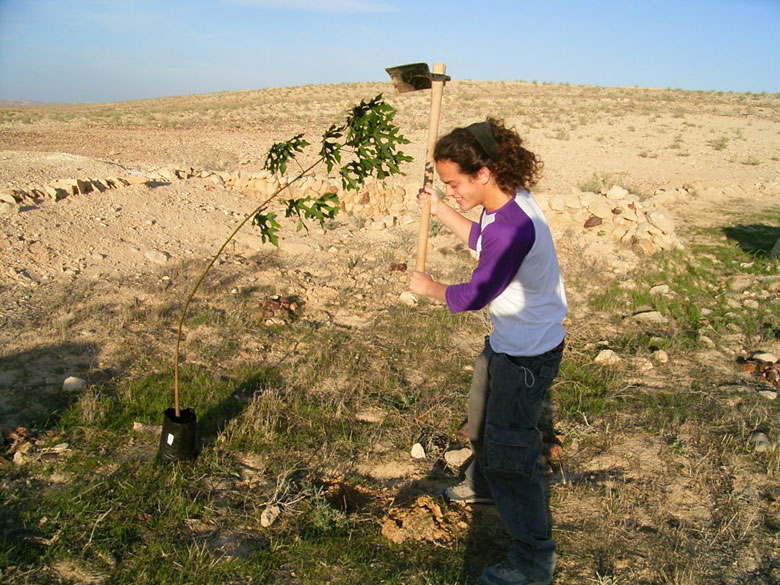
point(660, 289)
point(456, 458)
point(418, 451)
point(73, 384)
point(407, 298)
point(157, 257)
point(740, 283)
point(7, 208)
point(269, 515)
point(642, 364)
point(761, 442)
point(765, 356)
point(608, 358)
point(650, 317)
point(661, 356)
point(768, 394)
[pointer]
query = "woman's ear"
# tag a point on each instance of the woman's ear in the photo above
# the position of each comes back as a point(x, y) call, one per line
point(484, 175)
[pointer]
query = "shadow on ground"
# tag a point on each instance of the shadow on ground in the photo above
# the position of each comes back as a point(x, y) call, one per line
point(754, 238)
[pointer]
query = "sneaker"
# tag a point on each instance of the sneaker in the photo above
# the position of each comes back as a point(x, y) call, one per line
point(463, 494)
point(504, 573)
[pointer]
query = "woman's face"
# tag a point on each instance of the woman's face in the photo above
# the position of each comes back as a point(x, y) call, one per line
point(467, 190)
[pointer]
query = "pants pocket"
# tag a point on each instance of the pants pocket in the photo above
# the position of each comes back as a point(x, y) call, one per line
point(512, 450)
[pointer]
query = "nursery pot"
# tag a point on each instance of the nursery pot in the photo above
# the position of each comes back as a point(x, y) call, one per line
point(179, 440)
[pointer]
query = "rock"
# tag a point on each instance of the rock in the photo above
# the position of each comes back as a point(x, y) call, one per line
point(706, 340)
point(740, 283)
point(7, 196)
point(593, 221)
point(457, 457)
point(73, 384)
point(661, 221)
point(407, 298)
point(751, 304)
point(8, 208)
point(617, 192)
point(768, 394)
point(650, 317)
point(660, 289)
point(661, 356)
point(557, 203)
point(600, 208)
point(418, 451)
point(761, 442)
point(157, 257)
point(642, 364)
point(608, 358)
point(765, 356)
point(269, 515)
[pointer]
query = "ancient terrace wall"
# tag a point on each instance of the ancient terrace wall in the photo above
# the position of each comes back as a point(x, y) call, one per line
point(613, 215)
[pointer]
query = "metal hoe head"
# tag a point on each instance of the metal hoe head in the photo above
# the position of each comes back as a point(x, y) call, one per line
point(413, 77)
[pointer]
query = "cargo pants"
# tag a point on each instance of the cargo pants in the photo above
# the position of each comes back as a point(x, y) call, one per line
point(504, 406)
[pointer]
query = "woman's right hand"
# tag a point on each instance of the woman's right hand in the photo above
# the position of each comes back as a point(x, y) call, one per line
point(429, 195)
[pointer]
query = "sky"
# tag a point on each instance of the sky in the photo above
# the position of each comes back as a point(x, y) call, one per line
point(96, 51)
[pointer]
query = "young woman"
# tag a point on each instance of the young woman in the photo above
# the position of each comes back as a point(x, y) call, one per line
point(519, 279)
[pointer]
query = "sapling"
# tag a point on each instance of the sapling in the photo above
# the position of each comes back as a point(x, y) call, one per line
point(364, 145)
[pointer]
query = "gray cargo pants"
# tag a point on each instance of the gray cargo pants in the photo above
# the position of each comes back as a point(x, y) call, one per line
point(504, 405)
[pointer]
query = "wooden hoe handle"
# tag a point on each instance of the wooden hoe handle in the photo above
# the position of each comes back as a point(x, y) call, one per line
point(437, 89)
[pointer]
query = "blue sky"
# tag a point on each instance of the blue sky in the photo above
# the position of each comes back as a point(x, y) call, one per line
point(111, 50)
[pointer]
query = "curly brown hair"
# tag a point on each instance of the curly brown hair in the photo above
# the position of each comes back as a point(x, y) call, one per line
point(515, 166)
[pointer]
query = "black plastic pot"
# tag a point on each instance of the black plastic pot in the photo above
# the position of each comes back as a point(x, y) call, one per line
point(179, 440)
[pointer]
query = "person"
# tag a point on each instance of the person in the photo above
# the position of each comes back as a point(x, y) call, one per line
point(518, 278)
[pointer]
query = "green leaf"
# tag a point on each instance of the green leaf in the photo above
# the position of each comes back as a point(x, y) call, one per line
point(268, 227)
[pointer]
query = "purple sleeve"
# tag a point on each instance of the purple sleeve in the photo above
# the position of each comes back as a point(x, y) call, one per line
point(504, 247)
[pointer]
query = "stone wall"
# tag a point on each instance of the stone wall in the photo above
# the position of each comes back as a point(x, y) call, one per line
point(615, 215)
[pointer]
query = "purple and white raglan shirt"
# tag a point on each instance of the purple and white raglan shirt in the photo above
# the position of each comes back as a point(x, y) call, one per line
point(517, 277)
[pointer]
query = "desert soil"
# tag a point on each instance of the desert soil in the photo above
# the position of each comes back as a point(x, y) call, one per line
point(106, 249)
point(75, 270)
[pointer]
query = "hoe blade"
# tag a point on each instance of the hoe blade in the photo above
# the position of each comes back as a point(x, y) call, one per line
point(412, 77)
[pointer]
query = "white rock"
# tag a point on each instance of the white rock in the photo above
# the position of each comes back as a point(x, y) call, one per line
point(608, 358)
point(650, 317)
point(617, 192)
point(457, 457)
point(418, 451)
point(768, 394)
point(72, 384)
point(157, 257)
point(407, 298)
point(269, 516)
point(751, 304)
point(660, 221)
point(660, 289)
point(765, 356)
point(661, 356)
point(8, 208)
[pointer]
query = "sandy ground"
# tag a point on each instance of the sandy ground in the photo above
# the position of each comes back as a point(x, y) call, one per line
point(723, 147)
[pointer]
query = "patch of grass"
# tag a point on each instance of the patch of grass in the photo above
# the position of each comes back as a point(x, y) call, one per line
point(719, 143)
